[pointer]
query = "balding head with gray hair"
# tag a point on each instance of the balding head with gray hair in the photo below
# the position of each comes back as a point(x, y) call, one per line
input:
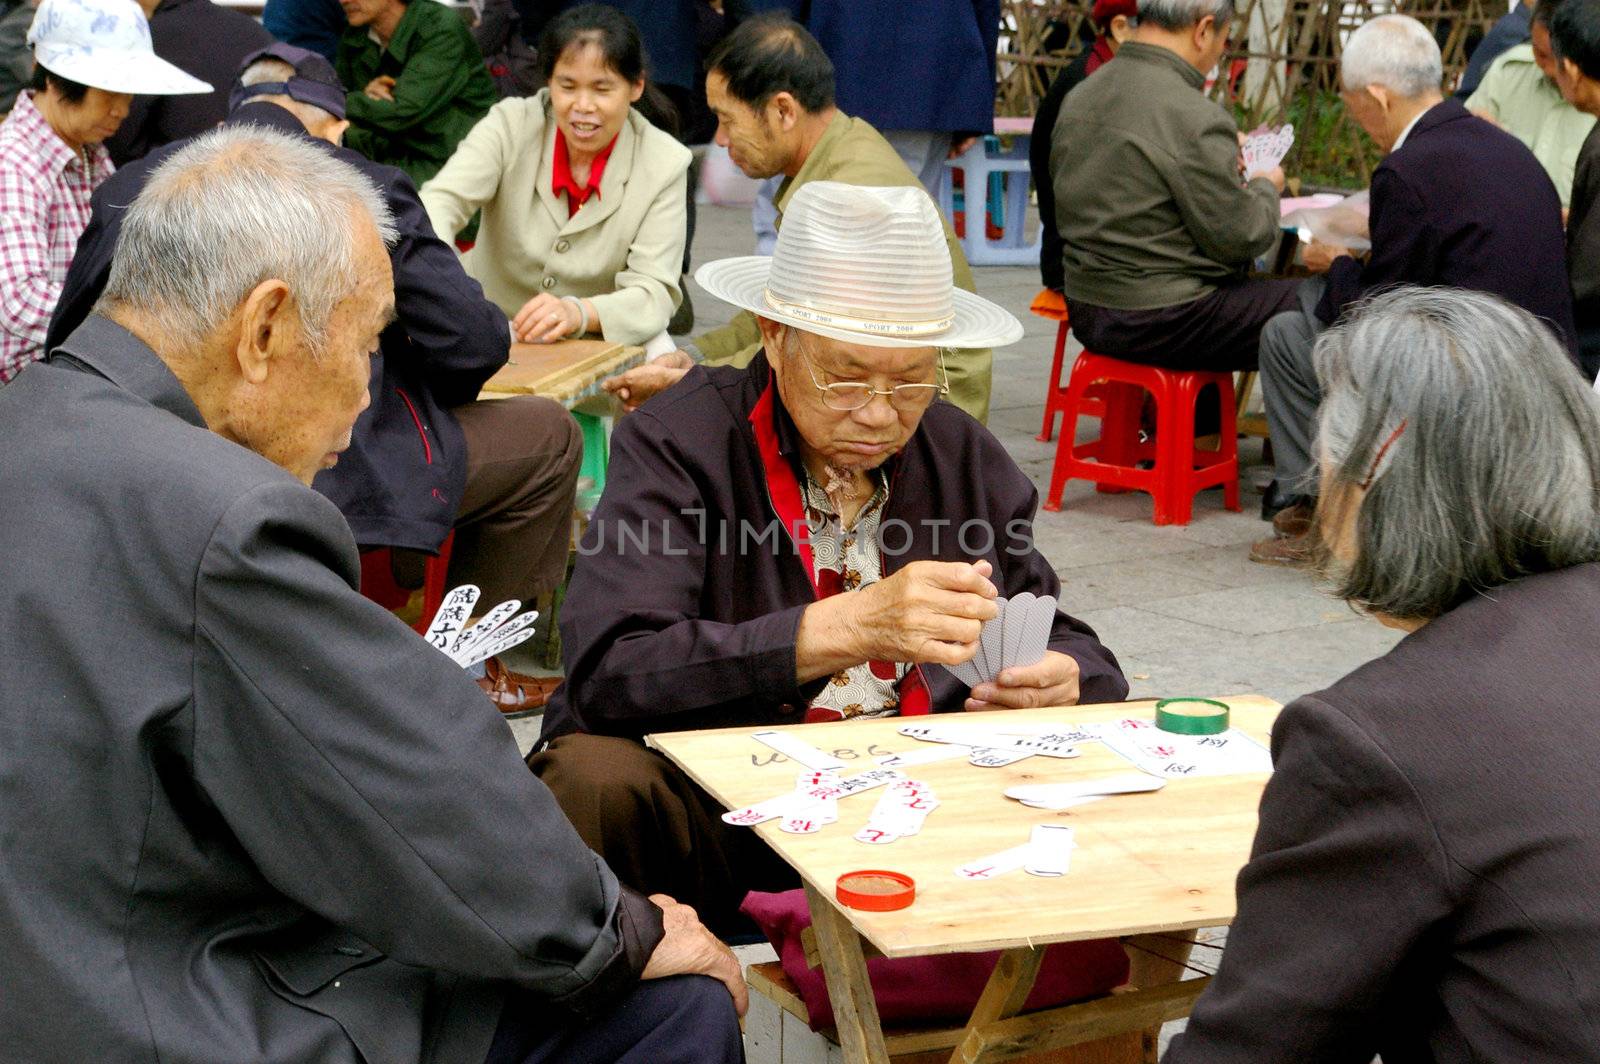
point(233, 208)
point(1459, 428)
point(1394, 51)
point(1177, 15)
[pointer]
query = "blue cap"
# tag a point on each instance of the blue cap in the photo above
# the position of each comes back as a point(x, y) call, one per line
point(314, 81)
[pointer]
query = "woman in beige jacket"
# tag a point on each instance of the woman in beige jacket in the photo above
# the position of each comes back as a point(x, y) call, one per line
point(583, 200)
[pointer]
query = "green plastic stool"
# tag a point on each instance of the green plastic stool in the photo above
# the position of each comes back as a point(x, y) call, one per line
point(596, 448)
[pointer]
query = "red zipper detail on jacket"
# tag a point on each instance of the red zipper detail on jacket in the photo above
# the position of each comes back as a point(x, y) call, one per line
point(427, 449)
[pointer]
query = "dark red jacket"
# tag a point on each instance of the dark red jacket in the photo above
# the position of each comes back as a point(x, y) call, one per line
point(684, 605)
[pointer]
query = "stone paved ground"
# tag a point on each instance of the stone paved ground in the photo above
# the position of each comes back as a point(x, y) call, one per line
point(1182, 607)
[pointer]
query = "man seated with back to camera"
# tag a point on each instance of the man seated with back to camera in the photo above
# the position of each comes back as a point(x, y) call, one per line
point(425, 459)
point(794, 541)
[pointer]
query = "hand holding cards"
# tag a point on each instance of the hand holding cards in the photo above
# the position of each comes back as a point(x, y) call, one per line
point(497, 632)
point(1264, 149)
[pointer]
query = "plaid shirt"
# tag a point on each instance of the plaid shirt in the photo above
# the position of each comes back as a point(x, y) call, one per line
point(44, 207)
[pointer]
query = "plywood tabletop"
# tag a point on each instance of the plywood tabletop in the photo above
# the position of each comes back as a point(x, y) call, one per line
point(1161, 861)
point(566, 371)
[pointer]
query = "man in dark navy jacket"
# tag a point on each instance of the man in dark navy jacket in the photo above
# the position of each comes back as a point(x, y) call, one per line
point(799, 540)
point(1456, 203)
point(425, 458)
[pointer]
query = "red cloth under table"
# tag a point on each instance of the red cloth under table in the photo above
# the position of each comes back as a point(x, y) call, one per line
point(937, 989)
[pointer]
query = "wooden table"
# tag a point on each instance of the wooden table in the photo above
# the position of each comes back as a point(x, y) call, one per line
point(1158, 864)
point(568, 371)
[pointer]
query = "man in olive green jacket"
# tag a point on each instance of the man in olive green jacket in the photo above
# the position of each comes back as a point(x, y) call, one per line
point(770, 85)
point(1158, 224)
point(416, 80)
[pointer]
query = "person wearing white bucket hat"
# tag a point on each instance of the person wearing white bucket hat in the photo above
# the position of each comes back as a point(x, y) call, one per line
point(795, 540)
point(92, 57)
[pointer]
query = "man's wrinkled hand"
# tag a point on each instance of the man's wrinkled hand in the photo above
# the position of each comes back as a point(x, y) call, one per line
point(1051, 681)
point(688, 948)
point(1318, 256)
point(641, 382)
point(381, 88)
point(926, 612)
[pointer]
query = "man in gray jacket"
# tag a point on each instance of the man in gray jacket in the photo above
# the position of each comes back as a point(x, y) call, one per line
point(226, 837)
point(1158, 223)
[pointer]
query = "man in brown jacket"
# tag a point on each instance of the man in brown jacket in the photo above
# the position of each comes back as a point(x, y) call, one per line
point(1159, 226)
point(770, 85)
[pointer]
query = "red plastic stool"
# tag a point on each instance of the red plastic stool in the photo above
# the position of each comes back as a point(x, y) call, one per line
point(378, 583)
point(1112, 460)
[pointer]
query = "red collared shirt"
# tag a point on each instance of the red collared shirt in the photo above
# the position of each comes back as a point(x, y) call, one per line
point(563, 181)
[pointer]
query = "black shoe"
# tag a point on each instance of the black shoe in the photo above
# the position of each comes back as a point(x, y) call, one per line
point(1275, 499)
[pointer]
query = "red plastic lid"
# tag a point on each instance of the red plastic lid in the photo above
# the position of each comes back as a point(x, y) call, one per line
point(875, 890)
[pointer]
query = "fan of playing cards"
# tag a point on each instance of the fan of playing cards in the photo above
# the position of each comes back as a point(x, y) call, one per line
point(496, 633)
point(1018, 635)
point(1265, 148)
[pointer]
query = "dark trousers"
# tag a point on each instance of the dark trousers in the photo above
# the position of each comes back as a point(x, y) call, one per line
point(687, 1019)
point(659, 832)
point(1216, 333)
point(514, 525)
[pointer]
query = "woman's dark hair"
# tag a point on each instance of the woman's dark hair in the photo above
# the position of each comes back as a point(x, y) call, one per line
point(1544, 11)
point(770, 54)
point(1575, 34)
point(66, 88)
point(621, 49)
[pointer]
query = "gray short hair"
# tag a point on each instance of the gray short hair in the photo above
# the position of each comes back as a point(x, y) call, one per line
point(1478, 441)
point(1395, 51)
point(1181, 14)
point(270, 70)
point(235, 207)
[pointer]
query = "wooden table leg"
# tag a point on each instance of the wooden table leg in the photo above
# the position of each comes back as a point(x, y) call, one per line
point(1003, 997)
point(845, 967)
point(1156, 960)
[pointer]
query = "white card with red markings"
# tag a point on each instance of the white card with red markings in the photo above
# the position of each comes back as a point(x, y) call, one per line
point(1263, 149)
point(900, 811)
point(1170, 756)
point(812, 804)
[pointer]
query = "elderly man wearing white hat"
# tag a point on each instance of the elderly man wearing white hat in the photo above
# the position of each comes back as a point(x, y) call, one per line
point(92, 57)
point(795, 540)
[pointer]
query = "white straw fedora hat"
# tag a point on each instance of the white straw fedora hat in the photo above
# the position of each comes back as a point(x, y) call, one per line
point(104, 44)
point(864, 265)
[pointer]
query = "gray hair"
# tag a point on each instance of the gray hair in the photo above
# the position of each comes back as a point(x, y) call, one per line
point(268, 69)
point(1181, 14)
point(235, 207)
point(1476, 439)
point(1395, 51)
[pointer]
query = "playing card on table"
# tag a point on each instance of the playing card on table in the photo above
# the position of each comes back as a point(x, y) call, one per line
point(900, 812)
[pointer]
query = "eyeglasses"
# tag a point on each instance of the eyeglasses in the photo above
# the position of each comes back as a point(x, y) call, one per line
point(853, 395)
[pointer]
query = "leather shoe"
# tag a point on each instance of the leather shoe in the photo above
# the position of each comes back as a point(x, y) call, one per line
point(514, 694)
point(1275, 499)
point(1282, 550)
point(1293, 521)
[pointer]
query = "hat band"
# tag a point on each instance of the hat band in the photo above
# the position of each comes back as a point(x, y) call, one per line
point(870, 326)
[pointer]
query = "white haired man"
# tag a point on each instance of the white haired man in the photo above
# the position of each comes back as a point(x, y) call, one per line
point(229, 836)
point(1157, 223)
point(426, 458)
point(1456, 203)
point(816, 529)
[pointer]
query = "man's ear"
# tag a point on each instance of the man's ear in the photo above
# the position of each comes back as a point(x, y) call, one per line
point(785, 111)
point(771, 334)
point(1380, 96)
point(268, 327)
point(1201, 35)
